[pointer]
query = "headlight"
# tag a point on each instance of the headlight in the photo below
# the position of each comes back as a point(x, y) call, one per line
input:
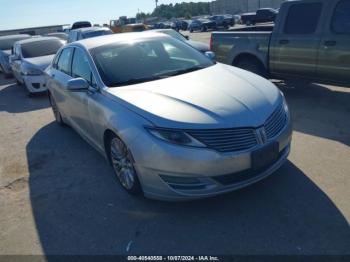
point(32, 71)
point(285, 105)
point(174, 136)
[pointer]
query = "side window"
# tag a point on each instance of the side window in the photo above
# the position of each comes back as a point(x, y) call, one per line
point(54, 63)
point(81, 67)
point(303, 18)
point(341, 18)
point(64, 60)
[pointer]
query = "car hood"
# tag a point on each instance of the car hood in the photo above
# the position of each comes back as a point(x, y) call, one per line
point(6, 53)
point(199, 46)
point(219, 96)
point(41, 62)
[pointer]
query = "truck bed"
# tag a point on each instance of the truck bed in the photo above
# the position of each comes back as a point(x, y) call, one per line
point(227, 45)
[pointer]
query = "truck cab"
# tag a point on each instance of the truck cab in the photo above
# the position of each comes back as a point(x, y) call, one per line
point(310, 40)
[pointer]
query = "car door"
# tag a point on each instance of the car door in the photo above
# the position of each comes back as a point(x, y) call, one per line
point(79, 101)
point(59, 75)
point(294, 44)
point(334, 52)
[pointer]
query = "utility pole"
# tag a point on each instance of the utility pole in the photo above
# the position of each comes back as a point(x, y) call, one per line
point(156, 4)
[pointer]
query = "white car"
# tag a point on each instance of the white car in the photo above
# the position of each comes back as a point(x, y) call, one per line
point(30, 58)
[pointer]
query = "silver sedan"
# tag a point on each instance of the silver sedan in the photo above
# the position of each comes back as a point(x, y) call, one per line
point(173, 124)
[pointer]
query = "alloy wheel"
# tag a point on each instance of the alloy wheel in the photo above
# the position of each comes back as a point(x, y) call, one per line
point(123, 164)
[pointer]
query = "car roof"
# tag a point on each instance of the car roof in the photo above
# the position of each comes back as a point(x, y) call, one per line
point(37, 39)
point(94, 42)
point(91, 29)
point(6, 37)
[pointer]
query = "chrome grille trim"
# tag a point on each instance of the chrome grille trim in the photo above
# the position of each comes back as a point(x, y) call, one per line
point(276, 122)
point(226, 140)
point(241, 139)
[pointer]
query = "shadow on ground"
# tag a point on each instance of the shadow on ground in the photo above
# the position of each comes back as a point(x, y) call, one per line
point(22, 103)
point(79, 208)
point(319, 111)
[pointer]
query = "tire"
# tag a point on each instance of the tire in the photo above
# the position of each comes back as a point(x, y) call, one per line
point(191, 30)
point(8, 76)
point(253, 65)
point(56, 111)
point(122, 162)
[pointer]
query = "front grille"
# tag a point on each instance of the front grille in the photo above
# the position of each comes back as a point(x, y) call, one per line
point(240, 139)
point(276, 122)
point(226, 140)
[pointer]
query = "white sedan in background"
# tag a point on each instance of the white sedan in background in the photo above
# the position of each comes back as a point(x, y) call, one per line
point(30, 58)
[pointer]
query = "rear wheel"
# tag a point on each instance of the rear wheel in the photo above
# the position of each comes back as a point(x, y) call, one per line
point(253, 65)
point(123, 165)
point(56, 111)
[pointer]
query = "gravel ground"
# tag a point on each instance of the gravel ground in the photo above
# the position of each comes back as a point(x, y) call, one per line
point(58, 195)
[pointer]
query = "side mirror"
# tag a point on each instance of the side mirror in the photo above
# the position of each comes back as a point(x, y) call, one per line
point(210, 55)
point(77, 85)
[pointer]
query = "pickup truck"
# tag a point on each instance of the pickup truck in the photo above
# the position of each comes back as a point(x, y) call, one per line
point(310, 40)
point(263, 15)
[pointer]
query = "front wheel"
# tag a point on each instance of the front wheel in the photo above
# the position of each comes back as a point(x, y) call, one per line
point(123, 166)
point(56, 111)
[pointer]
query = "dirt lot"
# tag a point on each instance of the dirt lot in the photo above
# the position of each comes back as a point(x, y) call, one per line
point(58, 195)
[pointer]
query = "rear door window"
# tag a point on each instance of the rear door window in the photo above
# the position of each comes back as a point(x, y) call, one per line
point(341, 18)
point(63, 63)
point(303, 18)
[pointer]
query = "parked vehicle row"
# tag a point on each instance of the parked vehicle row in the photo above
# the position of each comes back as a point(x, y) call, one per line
point(263, 15)
point(173, 123)
point(310, 40)
point(6, 45)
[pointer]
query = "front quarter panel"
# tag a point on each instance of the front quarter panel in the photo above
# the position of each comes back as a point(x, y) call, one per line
point(108, 114)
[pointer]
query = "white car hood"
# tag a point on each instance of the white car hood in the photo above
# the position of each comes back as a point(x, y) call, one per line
point(219, 96)
point(41, 62)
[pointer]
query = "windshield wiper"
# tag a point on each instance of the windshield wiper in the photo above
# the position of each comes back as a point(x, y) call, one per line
point(182, 71)
point(138, 80)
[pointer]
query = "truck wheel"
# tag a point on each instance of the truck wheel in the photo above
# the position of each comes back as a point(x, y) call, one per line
point(253, 65)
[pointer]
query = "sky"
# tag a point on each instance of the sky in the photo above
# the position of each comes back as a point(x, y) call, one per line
point(30, 13)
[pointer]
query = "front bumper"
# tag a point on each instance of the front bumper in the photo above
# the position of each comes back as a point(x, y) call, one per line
point(174, 173)
point(35, 84)
point(6, 68)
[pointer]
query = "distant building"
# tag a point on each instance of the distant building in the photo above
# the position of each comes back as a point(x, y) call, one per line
point(241, 6)
point(42, 30)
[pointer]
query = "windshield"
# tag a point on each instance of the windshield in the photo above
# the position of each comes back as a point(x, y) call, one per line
point(41, 48)
point(137, 62)
point(96, 33)
point(175, 34)
point(6, 44)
